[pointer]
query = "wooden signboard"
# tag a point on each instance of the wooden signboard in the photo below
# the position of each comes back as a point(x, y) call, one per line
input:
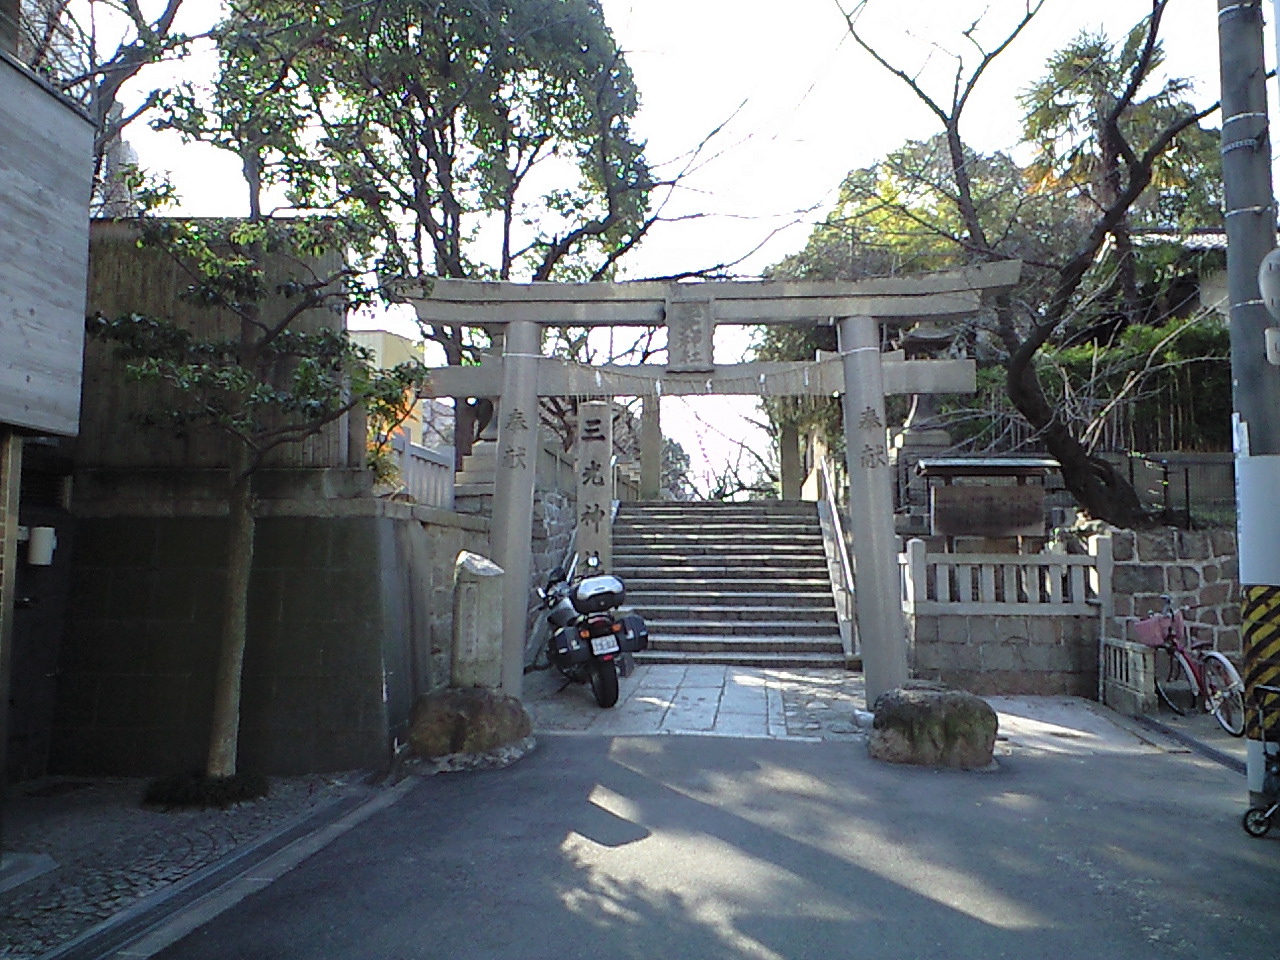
point(987, 510)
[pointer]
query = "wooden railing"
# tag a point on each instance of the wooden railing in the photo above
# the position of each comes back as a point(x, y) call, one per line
point(979, 584)
point(427, 475)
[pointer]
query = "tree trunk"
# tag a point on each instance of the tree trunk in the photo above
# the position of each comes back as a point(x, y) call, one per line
point(464, 426)
point(1098, 488)
point(225, 734)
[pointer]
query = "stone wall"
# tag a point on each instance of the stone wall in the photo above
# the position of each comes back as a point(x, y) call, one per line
point(553, 525)
point(1035, 655)
point(350, 619)
point(1196, 567)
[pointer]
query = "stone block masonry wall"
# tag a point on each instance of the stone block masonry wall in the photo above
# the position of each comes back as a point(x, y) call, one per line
point(553, 524)
point(989, 655)
point(1196, 567)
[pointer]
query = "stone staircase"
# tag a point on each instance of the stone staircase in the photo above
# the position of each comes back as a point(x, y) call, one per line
point(729, 583)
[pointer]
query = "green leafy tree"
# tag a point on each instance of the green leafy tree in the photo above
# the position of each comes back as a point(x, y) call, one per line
point(1081, 134)
point(486, 141)
point(978, 224)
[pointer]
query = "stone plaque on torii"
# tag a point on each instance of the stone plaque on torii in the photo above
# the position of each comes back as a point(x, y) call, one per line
point(861, 374)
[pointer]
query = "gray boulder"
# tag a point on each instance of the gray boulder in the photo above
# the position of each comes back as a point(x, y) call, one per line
point(466, 720)
point(939, 728)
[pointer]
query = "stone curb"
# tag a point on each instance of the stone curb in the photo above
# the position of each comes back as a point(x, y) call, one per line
point(1199, 746)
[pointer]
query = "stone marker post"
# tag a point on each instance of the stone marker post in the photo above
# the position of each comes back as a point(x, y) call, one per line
point(878, 604)
point(595, 482)
point(650, 449)
point(477, 622)
point(790, 462)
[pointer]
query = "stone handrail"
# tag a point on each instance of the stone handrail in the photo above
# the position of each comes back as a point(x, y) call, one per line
point(839, 561)
point(427, 475)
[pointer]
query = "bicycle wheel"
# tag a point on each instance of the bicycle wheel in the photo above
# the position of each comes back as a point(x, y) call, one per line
point(1173, 681)
point(1223, 693)
point(1255, 821)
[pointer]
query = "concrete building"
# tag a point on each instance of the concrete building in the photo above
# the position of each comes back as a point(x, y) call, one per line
point(46, 157)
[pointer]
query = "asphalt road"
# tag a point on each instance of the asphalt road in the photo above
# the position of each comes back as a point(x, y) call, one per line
point(667, 848)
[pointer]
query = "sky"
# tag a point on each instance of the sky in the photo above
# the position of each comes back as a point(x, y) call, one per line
point(797, 105)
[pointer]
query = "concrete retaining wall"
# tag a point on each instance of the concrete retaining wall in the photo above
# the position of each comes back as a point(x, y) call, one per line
point(350, 618)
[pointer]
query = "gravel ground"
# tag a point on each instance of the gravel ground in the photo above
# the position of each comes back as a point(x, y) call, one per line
point(111, 852)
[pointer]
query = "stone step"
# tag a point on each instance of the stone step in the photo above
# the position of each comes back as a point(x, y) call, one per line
point(685, 507)
point(747, 658)
point(680, 580)
point(695, 643)
point(696, 526)
point(788, 546)
point(743, 628)
point(759, 570)
point(735, 615)
point(728, 598)
point(754, 567)
point(716, 522)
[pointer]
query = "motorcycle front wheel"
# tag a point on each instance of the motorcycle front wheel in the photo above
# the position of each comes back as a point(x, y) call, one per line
point(604, 682)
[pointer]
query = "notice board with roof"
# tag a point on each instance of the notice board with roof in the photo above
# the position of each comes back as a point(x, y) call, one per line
point(986, 496)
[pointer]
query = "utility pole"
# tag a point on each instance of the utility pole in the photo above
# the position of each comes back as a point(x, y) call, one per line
point(1250, 223)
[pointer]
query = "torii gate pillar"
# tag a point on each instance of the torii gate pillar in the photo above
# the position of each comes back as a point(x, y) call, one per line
point(881, 629)
point(511, 522)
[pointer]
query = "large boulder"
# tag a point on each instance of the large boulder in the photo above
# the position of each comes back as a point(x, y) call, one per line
point(939, 728)
point(471, 720)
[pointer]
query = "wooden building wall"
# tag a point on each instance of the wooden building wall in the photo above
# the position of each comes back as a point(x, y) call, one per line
point(115, 434)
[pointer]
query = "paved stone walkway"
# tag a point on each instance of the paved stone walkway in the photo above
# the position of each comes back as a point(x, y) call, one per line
point(751, 702)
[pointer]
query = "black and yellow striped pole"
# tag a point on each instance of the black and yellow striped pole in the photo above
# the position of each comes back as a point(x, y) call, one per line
point(1250, 224)
point(1260, 644)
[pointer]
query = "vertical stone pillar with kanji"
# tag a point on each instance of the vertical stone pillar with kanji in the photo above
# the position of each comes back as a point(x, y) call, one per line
point(595, 482)
point(877, 588)
point(511, 524)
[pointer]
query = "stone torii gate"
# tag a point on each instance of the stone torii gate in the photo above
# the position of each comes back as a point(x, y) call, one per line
point(861, 374)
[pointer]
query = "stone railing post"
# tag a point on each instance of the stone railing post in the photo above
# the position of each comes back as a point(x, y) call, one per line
point(477, 622)
point(915, 582)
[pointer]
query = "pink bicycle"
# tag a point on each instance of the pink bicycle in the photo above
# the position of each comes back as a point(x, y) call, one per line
point(1191, 674)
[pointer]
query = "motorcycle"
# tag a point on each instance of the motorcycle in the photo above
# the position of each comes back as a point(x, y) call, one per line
point(589, 638)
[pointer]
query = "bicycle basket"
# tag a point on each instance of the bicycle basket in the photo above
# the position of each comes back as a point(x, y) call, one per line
point(1154, 631)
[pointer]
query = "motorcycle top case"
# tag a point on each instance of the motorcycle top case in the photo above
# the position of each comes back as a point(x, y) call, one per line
point(635, 634)
point(598, 594)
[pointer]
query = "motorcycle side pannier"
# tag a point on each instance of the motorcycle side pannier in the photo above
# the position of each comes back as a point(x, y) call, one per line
point(635, 634)
point(598, 594)
point(566, 650)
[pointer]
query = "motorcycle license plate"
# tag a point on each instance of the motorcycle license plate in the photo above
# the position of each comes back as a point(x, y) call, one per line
point(602, 645)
